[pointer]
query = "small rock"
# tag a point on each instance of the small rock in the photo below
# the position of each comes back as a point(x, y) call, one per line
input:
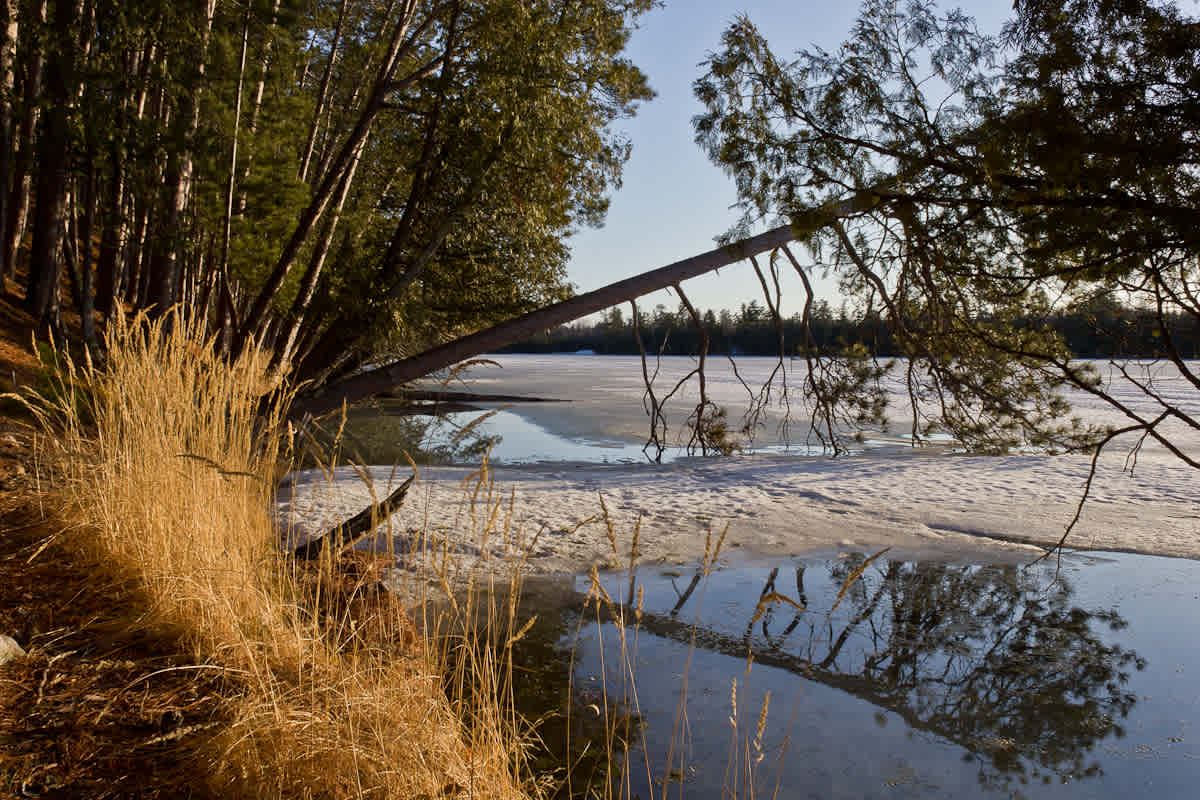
point(9, 649)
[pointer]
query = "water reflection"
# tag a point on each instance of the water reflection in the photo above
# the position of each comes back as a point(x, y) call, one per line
point(1001, 677)
point(392, 432)
point(987, 657)
point(389, 432)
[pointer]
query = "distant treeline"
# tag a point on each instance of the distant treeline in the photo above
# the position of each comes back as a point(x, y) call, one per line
point(1099, 328)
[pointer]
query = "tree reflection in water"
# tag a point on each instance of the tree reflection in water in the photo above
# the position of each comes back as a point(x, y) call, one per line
point(996, 659)
point(989, 657)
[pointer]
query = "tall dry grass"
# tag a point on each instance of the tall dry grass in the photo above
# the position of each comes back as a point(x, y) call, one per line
point(615, 603)
point(165, 458)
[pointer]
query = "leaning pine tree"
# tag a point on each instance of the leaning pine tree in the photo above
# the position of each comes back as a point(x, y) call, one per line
point(995, 181)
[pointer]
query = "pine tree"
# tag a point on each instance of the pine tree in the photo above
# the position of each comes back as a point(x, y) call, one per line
point(994, 181)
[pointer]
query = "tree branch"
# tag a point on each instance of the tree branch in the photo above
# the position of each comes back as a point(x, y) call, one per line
point(347, 533)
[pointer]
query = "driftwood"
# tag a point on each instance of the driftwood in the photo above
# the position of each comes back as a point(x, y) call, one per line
point(347, 533)
point(438, 396)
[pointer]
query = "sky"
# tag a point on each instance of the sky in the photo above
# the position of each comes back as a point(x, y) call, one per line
point(674, 202)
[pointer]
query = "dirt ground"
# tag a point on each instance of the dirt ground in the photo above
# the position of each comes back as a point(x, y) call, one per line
point(93, 709)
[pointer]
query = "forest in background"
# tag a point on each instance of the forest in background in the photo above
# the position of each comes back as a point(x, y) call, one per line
point(1100, 327)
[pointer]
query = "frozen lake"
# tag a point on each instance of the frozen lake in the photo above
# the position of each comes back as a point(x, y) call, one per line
point(561, 460)
point(603, 399)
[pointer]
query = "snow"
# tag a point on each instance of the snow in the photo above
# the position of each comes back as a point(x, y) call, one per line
point(923, 502)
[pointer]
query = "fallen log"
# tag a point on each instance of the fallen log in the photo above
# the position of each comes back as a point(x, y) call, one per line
point(347, 533)
point(438, 396)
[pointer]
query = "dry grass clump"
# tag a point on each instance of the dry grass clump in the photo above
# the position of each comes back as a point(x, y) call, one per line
point(165, 458)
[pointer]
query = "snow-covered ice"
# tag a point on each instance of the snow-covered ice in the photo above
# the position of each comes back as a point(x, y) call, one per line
point(920, 502)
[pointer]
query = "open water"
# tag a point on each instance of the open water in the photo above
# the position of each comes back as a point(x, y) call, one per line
point(1072, 679)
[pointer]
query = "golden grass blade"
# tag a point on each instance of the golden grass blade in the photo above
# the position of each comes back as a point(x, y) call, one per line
point(854, 576)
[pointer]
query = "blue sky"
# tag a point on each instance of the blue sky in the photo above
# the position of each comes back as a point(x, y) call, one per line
point(674, 201)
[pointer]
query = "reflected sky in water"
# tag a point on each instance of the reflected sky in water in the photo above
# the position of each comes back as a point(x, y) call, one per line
point(517, 440)
point(926, 679)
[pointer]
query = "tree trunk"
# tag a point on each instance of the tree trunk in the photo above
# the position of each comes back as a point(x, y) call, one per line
point(359, 387)
point(9, 29)
point(358, 526)
point(166, 266)
point(308, 284)
point(227, 227)
point(115, 232)
point(264, 65)
point(323, 91)
point(121, 254)
point(70, 246)
point(345, 334)
point(22, 179)
point(112, 238)
point(53, 156)
point(331, 395)
point(256, 104)
point(311, 215)
point(137, 291)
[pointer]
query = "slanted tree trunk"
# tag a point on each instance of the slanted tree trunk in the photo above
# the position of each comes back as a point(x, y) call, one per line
point(385, 83)
point(345, 333)
point(323, 90)
point(308, 284)
point(330, 396)
point(359, 387)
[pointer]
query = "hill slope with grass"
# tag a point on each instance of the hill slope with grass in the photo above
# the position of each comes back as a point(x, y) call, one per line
point(171, 649)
